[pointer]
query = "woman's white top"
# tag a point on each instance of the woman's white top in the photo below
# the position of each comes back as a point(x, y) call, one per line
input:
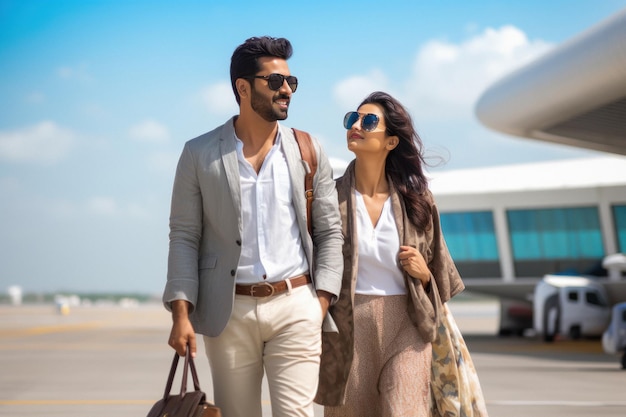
point(378, 272)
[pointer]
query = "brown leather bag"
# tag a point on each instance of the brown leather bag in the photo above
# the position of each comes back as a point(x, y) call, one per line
point(186, 404)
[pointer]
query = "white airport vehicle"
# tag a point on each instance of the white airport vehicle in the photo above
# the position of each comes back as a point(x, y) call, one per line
point(570, 306)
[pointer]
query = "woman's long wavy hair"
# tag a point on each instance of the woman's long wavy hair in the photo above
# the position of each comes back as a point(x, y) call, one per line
point(404, 163)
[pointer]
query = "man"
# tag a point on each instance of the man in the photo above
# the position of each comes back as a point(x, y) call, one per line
point(243, 270)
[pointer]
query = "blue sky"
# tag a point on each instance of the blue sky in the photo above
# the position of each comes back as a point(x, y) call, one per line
point(98, 97)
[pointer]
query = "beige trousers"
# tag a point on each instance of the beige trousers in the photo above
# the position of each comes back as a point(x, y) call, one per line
point(280, 335)
point(390, 373)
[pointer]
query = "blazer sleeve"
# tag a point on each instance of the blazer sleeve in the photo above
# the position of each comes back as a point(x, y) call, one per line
point(185, 233)
point(327, 236)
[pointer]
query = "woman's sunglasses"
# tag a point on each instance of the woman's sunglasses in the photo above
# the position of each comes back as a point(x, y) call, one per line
point(369, 122)
point(275, 81)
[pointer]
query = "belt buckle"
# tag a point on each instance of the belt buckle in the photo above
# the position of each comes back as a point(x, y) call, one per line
point(259, 287)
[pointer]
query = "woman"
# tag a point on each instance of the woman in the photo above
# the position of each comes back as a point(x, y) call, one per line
point(397, 272)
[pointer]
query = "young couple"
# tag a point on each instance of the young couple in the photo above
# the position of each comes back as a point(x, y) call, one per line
point(244, 272)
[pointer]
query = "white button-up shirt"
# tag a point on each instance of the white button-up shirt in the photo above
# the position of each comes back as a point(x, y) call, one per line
point(271, 246)
point(378, 272)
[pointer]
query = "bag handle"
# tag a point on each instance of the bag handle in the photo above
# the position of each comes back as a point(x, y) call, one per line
point(189, 364)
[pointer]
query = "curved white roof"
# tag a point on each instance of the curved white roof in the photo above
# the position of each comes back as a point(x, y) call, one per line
point(574, 95)
point(552, 175)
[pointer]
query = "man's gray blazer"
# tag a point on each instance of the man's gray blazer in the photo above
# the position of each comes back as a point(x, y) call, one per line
point(206, 228)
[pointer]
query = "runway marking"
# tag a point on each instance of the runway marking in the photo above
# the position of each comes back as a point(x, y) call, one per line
point(148, 402)
point(88, 402)
point(77, 402)
point(559, 403)
point(32, 331)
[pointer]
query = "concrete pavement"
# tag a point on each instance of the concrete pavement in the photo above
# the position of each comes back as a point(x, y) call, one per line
point(108, 360)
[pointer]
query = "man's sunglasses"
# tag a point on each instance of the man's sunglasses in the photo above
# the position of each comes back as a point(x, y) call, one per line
point(369, 122)
point(275, 81)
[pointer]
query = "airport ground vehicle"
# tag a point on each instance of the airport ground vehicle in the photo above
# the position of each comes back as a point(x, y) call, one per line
point(570, 306)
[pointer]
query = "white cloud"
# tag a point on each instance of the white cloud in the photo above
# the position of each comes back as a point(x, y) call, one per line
point(448, 78)
point(351, 91)
point(219, 99)
point(442, 87)
point(45, 142)
point(150, 131)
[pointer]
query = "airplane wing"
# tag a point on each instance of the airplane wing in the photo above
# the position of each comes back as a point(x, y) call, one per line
point(518, 290)
point(523, 289)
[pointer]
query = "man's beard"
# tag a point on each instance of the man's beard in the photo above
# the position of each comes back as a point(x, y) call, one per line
point(263, 107)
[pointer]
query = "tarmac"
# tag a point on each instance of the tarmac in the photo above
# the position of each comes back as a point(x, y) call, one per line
point(107, 360)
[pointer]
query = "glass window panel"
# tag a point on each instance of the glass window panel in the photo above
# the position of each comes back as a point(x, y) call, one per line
point(568, 233)
point(470, 236)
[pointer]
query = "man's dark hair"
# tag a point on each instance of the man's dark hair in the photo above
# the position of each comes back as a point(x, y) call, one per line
point(245, 59)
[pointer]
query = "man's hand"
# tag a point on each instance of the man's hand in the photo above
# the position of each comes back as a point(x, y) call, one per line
point(324, 297)
point(182, 333)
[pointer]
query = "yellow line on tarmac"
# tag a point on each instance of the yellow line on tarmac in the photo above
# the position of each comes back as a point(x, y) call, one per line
point(32, 331)
point(86, 402)
point(76, 402)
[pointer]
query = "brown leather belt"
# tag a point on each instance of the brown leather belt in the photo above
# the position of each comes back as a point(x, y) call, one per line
point(267, 289)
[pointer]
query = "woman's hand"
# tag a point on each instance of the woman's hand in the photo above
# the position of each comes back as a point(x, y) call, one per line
point(414, 264)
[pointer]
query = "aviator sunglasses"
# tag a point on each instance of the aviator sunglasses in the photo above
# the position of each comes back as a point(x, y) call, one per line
point(275, 81)
point(369, 122)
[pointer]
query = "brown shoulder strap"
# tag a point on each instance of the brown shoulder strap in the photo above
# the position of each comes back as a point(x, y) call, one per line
point(307, 151)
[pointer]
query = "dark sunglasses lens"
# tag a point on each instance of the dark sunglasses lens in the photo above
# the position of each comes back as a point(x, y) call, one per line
point(275, 81)
point(293, 83)
point(350, 119)
point(370, 121)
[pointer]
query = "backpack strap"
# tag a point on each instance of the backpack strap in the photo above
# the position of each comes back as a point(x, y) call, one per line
point(307, 152)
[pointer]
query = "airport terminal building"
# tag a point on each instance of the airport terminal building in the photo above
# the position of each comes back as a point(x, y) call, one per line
point(528, 220)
